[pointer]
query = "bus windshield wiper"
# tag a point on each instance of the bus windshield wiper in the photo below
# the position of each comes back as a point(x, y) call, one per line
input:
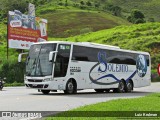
point(32, 67)
point(40, 70)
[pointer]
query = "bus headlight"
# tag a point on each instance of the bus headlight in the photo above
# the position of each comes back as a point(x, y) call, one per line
point(47, 79)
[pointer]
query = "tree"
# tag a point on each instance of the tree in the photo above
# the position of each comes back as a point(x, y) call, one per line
point(88, 3)
point(97, 4)
point(137, 14)
point(82, 3)
point(116, 10)
point(11, 5)
point(66, 3)
point(136, 17)
point(129, 18)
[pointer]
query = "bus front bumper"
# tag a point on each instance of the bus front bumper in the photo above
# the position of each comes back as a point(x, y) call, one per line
point(47, 85)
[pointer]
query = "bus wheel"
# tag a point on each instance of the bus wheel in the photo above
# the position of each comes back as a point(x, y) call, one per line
point(120, 88)
point(129, 86)
point(45, 91)
point(70, 87)
point(99, 90)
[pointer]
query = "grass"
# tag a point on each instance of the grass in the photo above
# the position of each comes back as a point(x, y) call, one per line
point(13, 84)
point(68, 23)
point(148, 103)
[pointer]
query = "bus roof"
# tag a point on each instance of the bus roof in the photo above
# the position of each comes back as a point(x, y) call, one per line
point(94, 45)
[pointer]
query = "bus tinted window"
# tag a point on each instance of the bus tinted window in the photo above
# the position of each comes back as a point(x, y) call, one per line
point(84, 54)
point(89, 54)
point(121, 57)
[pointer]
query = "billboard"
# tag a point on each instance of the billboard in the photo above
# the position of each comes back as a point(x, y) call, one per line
point(24, 30)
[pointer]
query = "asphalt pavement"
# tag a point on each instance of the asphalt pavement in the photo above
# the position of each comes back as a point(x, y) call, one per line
point(23, 99)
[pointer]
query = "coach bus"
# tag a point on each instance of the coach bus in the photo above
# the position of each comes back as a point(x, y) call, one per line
point(73, 66)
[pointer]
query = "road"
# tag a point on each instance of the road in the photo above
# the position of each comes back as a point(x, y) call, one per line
point(22, 99)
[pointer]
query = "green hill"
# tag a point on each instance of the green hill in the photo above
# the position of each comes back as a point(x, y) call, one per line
point(150, 8)
point(66, 23)
point(82, 16)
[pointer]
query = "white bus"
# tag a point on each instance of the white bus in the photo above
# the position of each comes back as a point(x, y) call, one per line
point(70, 66)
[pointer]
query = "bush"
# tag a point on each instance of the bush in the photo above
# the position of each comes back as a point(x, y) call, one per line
point(60, 3)
point(116, 10)
point(139, 20)
point(155, 77)
point(97, 5)
point(151, 20)
point(83, 6)
point(89, 3)
point(85, 30)
point(13, 71)
point(82, 3)
point(13, 84)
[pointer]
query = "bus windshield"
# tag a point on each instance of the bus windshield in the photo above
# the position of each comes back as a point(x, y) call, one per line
point(37, 63)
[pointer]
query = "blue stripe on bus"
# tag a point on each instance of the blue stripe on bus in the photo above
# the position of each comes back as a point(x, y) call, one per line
point(112, 76)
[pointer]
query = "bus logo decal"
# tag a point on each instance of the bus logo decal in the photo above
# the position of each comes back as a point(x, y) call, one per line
point(141, 65)
point(102, 60)
point(109, 67)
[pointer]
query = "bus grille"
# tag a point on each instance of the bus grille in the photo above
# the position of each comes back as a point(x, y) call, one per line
point(35, 86)
point(31, 80)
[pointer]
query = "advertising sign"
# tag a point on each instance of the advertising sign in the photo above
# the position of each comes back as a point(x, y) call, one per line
point(158, 69)
point(24, 30)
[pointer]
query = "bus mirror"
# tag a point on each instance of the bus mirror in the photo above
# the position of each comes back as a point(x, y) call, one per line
point(51, 55)
point(20, 56)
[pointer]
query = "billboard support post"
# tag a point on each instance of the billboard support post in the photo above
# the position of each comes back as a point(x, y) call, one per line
point(7, 35)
